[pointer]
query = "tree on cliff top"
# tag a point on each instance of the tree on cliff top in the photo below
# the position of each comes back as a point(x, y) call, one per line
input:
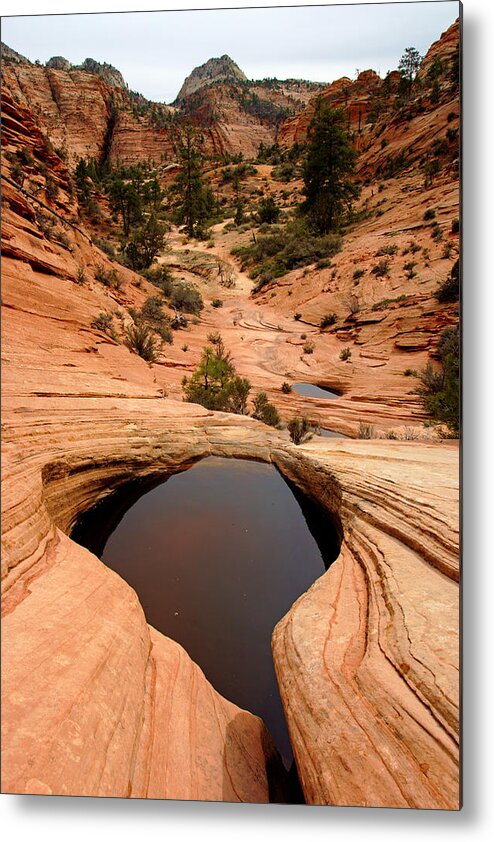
point(409, 66)
point(328, 165)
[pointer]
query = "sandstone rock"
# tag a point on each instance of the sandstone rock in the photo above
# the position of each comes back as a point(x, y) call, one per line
point(370, 695)
point(444, 49)
point(11, 55)
point(59, 63)
point(105, 71)
point(213, 70)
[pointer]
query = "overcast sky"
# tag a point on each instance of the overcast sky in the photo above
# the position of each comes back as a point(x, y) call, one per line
point(155, 51)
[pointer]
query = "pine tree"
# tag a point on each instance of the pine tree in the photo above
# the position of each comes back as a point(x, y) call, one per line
point(329, 162)
point(124, 199)
point(408, 67)
point(215, 383)
point(195, 198)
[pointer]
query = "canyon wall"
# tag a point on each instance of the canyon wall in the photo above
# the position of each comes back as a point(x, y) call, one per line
point(88, 111)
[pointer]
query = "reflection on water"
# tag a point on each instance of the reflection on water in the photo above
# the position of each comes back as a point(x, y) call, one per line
point(331, 434)
point(217, 555)
point(309, 390)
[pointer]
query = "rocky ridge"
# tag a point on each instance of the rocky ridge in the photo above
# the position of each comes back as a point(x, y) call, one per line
point(212, 71)
point(87, 111)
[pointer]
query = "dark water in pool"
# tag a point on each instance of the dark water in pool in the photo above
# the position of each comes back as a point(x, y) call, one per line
point(331, 434)
point(217, 555)
point(309, 390)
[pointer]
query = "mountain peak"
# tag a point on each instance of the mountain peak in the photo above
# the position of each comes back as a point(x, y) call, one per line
point(213, 70)
point(10, 55)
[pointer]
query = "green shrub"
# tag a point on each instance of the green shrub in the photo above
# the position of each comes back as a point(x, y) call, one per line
point(385, 302)
point(152, 316)
point(51, 188)
point(105, 246)
point(358, 274)
point(429, 214)
point(449, 290)
point(25, 158)
point(60, 237)
point(108, 277)
point(308, 347)
point(384, 250)
point(293, 247)
point(286, 388)
point(140, 339)
point(382, 268)
point(80, 276)
point(162, 277)
point(410, 372)
point(436, 233)
point(345, 354)
point(104, 323)
point(216, 302)
point(186, 298)
point(284, 172)
point(440, 387)
point(300, 429)
point(265, 411)
point(328, 320)
point(297, 316)
point(268, 211)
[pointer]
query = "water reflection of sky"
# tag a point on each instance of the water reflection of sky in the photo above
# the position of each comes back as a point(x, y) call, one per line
point(217, 555)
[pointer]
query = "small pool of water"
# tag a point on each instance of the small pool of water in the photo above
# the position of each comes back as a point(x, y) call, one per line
point(309, 390)
point(332, 434)
point(217, 555)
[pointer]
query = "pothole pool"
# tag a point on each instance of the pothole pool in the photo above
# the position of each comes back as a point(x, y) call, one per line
point(310, 390)
point(217, 555)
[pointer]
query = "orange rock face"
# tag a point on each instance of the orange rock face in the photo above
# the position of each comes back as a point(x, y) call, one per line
point(371, 695)
point(87, 116)
point(357, 98)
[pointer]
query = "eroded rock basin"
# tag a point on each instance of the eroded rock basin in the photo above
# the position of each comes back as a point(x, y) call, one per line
point(217, 555)
point(310, 390)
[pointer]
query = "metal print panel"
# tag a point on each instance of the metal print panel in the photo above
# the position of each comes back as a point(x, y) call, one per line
point(231, 289)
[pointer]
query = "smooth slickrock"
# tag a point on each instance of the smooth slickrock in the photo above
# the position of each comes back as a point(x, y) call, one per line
point(367, 660)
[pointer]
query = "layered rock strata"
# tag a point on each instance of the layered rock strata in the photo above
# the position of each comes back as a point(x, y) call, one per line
point(366, 660)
